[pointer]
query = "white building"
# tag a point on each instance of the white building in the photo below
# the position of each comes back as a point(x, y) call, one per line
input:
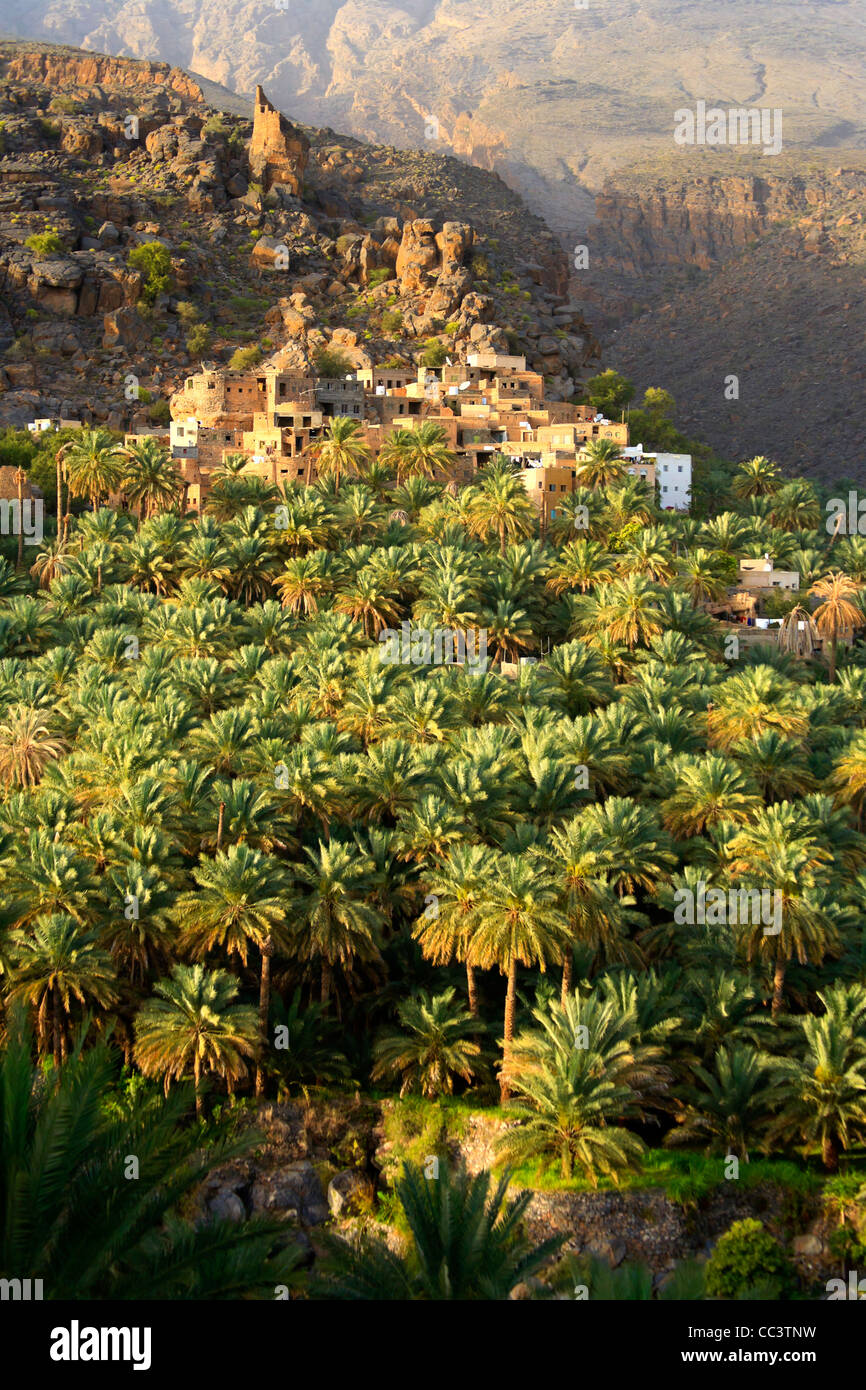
point(183, 438)
point(673, 476)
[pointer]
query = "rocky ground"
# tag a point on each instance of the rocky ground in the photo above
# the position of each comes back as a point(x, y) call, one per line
point(383, 251)
point(320, 1164)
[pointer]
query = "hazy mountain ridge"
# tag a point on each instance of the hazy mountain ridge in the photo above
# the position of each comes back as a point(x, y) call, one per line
point(551, 96)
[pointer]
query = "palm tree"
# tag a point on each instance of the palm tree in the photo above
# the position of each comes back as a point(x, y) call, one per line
point(150, 481)
point(432, 1046)
point(192, 1020)
point(631, 844)
point(501, 506)
point(517, 923)
point(839, 610)
point(53, 963)
point(93, 464)
point(628, 610)
point(334, 925)
point(706, 794)
point(795, 506)
point(418, 452)
point(798, 633)
point(702, 576)
point(601, 464)
point(757, 477)
point(751, 702)
point(823, 1093)
point(77, 1226)
point(579, 1071)
point(580, 565)
point(444, 929)
point(466, 1242)
point(848, 778)
point(305, 581)
point(730, 1107)
point(367, 601)
point(771, 855)
point(239, 903)
point(342, 449)
point(27, 747)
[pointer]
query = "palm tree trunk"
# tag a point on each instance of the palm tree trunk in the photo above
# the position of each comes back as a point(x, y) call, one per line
point(326, 983)
point(567, 969)
point(19, 478)
point(829, 1153)
point(55, 1020)
point(472, 989)
point(59, 492)
point(833, 645)
point(510, 1010)
point(220, 821)
point(196, 1071)
point(779, 984)
point(264, 1007)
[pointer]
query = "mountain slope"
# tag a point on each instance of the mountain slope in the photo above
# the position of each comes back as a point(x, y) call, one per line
point(551, 96)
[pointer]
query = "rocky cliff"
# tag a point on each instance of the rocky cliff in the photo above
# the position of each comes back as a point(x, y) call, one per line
point(60, 68)
point(282, 238)
point(746, 268)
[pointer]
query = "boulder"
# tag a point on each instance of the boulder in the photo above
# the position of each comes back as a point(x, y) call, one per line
point(350, 1192)
point(417, 257)
point(294, 1189)
point(121, 328)
point(270, 253)
point(227, 1205)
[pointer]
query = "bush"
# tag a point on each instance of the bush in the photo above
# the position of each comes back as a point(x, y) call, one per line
point(745, 1256)
point(187, 312)
point(434, 354)
point(44, 244)
point(49, 130)
point(198, 339)
point(331, 361)
point(392, 321)
point(64, 105)
point(159, 413)
point(152, 259)
point(379, 276)
point(244, 358)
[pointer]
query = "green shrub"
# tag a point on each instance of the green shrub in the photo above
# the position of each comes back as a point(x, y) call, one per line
point(480, 267)
point(244, 358)
point(152, 259)
point(159, 413)
point(434, 353)
point(64, 105)
point(746, 1256)
point(44, 244)
point(187, 312)
point(379, 276)
point(331, 361)
point(49, 130)
point(392, 321)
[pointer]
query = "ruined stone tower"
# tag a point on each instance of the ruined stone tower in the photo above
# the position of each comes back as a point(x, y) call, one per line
point(278, 151)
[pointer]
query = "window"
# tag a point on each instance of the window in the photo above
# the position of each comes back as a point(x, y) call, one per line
point(553, 487)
